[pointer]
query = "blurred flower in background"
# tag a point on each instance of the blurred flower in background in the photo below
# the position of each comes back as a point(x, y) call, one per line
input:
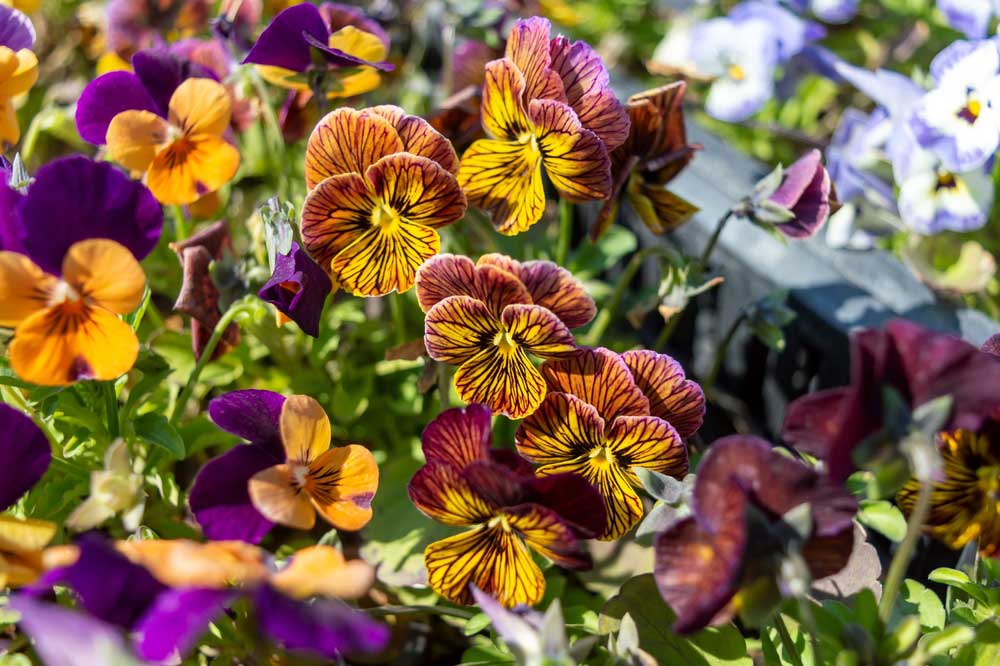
point(971, 17)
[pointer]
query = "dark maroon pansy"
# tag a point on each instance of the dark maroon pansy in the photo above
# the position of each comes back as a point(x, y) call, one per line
point(806, 191)
point(919, 365)
point(24, 455)
point(298, 289)
point(992, 346)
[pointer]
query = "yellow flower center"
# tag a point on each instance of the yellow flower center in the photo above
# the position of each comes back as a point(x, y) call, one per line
point(602, 455)
point(736, 73)
point(63, 292)
point(385, 218)
point(506, 344)
point(501, 522)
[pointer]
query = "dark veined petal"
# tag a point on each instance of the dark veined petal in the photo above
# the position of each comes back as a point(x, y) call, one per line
point(538, 331)
point(348, 141)
point(24, 455)
point(502, 377)
point(335, 214)
point(575, 159)
point(458, 328)
point(562, 429)
point(546, 532)
point(657, 135)
point(504, 115)
point(504, 178)
point(550, 286)
point(24, 288)
point(528, 48)
point(419, 138)
point(442, 492)
point(418, 189)
point(671, 395)
point(386, 257)
point(458, 436)
point(494, 559)
point(341, 484)
point(650, 442)
point(600, 378)
point(454, 275)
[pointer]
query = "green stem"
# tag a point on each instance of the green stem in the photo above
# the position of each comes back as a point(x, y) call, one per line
point(904, 553)
point(720, 354)
point(398, 317)
point(273, 129)
point(667, 331)
point(180, 224)
point(206, 357)
point(608, 312)
point(706, 254)
point(565, 231)
point(786, 640)
point(111, 408)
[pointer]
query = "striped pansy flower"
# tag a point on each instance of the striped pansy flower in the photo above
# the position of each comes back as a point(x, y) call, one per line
point(382, 185)
point(18, 68)
point(606, 414)
point(508, 513)
point(490, 317)
point(546, 104)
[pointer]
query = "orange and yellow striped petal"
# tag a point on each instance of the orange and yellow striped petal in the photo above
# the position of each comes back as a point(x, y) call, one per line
point(458, 436)
point(503, 113)
point(201, 106)
point(417, 189)
point(305, 429)
point(538, 331)
point(348, 141)
point(341, 484)
point(105, 272)
point(575, 158)
point(335, 214)
point(621, 502)
point(386, 257)
point(671, 395)
point(600, 378)
point(191, 167)
point(444, 494)
point(24, 288)
point(458, 328)
point(275, 494)
point(647, 441)
point(494, 559)
point(134, 138)
point(547, 533)
point(419, 137)
point(528, 47)
point(72, 341)
point(562, 429)
point(504, 178)
point(454, 275)
point(502, 377)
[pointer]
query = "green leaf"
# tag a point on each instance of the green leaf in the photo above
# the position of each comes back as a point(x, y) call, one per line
point(946, 640)
point(476, 623)
point(924, 603)
point(883, 517)
point(660, 486)
point(155, 429)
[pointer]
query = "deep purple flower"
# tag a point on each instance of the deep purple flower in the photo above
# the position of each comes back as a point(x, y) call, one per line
point(805, 190)
point(16, 30)
point(68, 638)
point(298, 289)
point(920, 365)
point(24, 455)
point(176, 620)
point(219, 498)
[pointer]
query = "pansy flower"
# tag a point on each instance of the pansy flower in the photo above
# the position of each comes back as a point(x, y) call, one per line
point(333, 48)
point(489, 316)
point(654, 153)
point(806, 193)
point(734, 539)
point(548, 103)
point(829, 11)
point(382, 185)
point(970, 17)
point(139, 24)
point(80, 271)
point(298, 289)
point(18, 68)
point(605, 415)
point(508, 512)
point(854, 153)
point(933, 198)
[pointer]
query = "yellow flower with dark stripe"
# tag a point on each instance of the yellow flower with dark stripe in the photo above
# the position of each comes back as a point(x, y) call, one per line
point(67, 328)
point(185, 156)
point(606, 415)
point(964, 503)
point(383, 183)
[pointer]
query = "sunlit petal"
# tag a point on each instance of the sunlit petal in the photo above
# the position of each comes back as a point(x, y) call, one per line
point(201, 106)
point(454, 275)
point(574, 157)
point(188, 168)
point(24, 288)
point(419, 138)
point(274, 493)
point(322, 570)
point(503, 109)
point(538, 331)
point(417, 189)
point(671, 395)
point(562, 428)
point(386, 257)
point(544, 530)
point(335, 214)
point(443, 493)
point(647, 441)
point(528, 48)
point(348, 141)
point(106, 273)
point(305, 429)
point(600, 378)
point(342, 483)
point(134, 137)
point(501, 377)
point(458, 436)
point(505, 178)
point(551, 286)
point(458, 328)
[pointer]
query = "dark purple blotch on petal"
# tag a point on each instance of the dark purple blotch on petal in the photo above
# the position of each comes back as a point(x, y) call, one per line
point(177, 619)
point(298, 288)
point(219, 498)
point(24, 455)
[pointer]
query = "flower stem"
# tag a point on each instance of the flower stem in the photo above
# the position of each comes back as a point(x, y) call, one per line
point(786, 640)
point(706, 254)
point(720, 354)
point(398, 317)
point(904, 553)
point(565, 231)
point(180, 224)
point(608, 312)
point(206, 356)
point(111, 408)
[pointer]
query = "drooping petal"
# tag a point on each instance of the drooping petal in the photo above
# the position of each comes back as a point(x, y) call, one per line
point(504, 178)
point(550, 286)
point(458, 436)
point(220, 499)
point(503, 109)
point(348, 141)
point(458, 328)
point(563, 428)
point(24, 455)
point(341, 484)
point(134, 138)
point(24, 288)
point(528, 49)
point(575, 159)
point(322, 570)
point(201, 106)
point(672, 396)
point(493, 559)
point(386, 257)
point(503, 379)
point(274, 494)
point(335, 214)
point(188, 168)
point(600, 378)
point(454, 275)
point(660, 209)
point(538, 331)
point(104, 98)
point(305, 429)
point(298, 289)
point(417, 189)
point(547, 533)
point(61, 345)
point(418, 137)
point(442, 492)
point(106, 273)
point(281, 43)
point(649, 442)
point(252, 414)
point(177, 619)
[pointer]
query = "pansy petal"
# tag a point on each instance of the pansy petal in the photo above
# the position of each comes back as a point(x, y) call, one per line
point(298, 289)
point(562, 428)
point(322, 570)
point(201, 106)
point(25, 454)
point(454, 275)
point(600, 378)
point(458, 436)
point(24, 76)
point(385, 258)
point(574, 157)
point(187, 169)
point(281, 43)
point(660, 209)
point(550, 535)
point(105, 272)
point(162, 71)
point(24, 288)
point(503, 379)
point(134, 137)
point(342, 483)
point(24, 535)
point(335, 214)
point(528, 48)
point(505, 178)
point(73, 341)
point(16, 30)
point(443, 493)
point(649, 442)
point(177, 619)
point(419, 137)
point(305, 428)
point(348, 141)
point(275, 496)
point(64, 637)
point(418, 189)
point(491, 558)
point(219, 498)
point(104, 98)
point(252, 414)
point(503, 111)
point(672, 397)
point(538, 330)
point(588, 90)
point(458, 328)
point(550, 286)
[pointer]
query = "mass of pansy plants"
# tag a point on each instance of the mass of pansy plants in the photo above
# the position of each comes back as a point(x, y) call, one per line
point(316, 347)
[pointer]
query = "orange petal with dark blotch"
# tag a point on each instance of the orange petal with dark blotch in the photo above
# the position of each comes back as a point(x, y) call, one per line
point(341, 484)
point(105, 272)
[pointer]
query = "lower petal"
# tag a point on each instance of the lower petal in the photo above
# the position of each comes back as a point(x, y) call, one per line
point(650, 442)
point(385, 258)
point(189, 168)
point(342, 483)
point(335, 214)
point(621, 503)
point(575, 158)
point(134, 137)
point(493, 559)
point(545, 531)
point(505, 178)
point(274, 494)
point(503, 380)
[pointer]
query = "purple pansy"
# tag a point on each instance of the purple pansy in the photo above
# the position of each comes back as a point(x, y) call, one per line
point(16, 30)
point(970, 17)
point(805, 191)
point(176, 619)
point(24, 455)
point(219, 498)
point(298, 289)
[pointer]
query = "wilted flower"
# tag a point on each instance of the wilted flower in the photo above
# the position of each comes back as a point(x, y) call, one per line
point(465, 483)
point(487, 317)
point(298, 289)
point(800, 202)
point(382, 184)
point(736, 536)
point(549, 104)
point(605, 415)
point(332, 48)
point(18, 68)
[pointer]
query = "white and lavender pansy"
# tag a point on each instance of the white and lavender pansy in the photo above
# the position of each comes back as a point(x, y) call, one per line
point(828, 11)
point(740, 56)
point(959, 119)
point(790, 32)
point(970, 17)
point(855, 152)
point(933, 198)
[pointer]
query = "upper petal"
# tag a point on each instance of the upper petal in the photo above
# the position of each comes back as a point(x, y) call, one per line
point(600, 378)
point(538, 331)
point(563, 428)
point(305, 428)
point(458, 436)
point(443, 493)
point(454, 275)
point(281, 43)
point(419, 138)
point(201, 106)
point(24, 288)
point(252, 414)
point(418, 189)
point(505, 178)
point(528, 48)
point(575, 158)
point(104, 98)
point(106, 273)
point(672, 397)
point(458, 328)
point(335, 214)
point(551, 287)
point(348, 141)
